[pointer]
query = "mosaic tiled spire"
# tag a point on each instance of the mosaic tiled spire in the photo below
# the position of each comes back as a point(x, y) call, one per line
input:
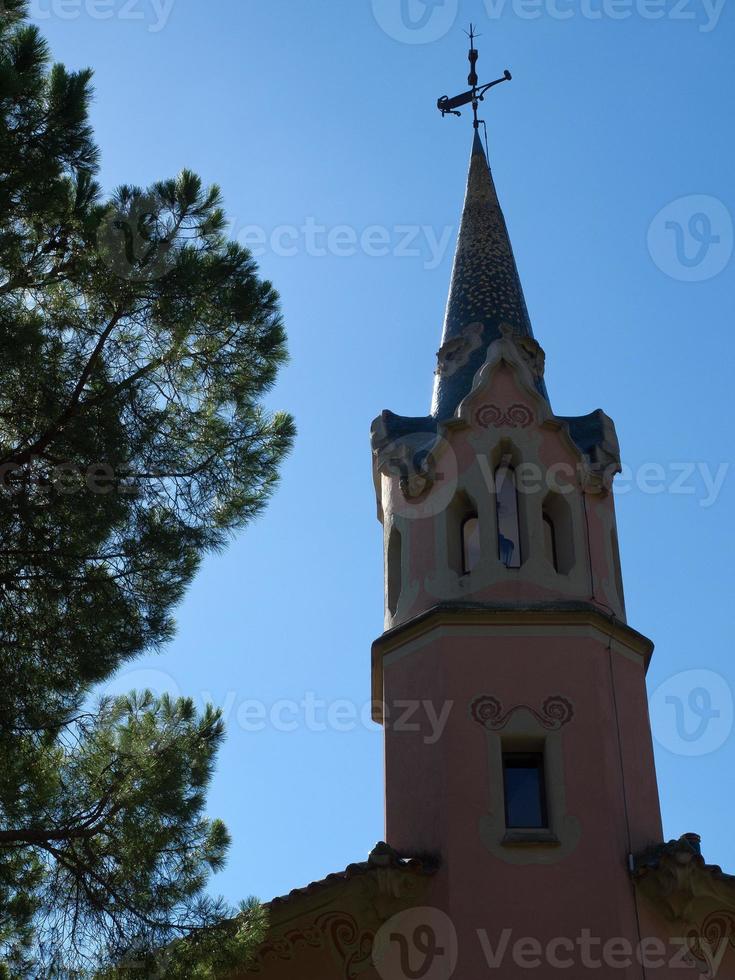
point(485, 291)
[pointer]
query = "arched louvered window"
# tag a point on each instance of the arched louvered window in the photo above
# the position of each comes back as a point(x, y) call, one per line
point(509, 532)
point(550, 542)
point(558, 529)
point(470, 543)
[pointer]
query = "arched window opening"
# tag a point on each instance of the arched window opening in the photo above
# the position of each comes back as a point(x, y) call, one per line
point(394, 571)
point(509, 533)
point(550, 542)
point(558, 533)
point(470, 543)
point(462, 534)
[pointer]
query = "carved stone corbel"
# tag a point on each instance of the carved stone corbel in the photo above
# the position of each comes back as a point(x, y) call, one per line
point(455, 353)
point(602, 463)
point(413, 460)
point(699, 899)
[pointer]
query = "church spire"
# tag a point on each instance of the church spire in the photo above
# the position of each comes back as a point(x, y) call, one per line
point(485, 295)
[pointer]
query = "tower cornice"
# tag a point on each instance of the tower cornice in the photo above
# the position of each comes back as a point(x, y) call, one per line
point(573, 616)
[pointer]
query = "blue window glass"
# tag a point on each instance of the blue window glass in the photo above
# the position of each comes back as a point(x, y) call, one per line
point(525, 790)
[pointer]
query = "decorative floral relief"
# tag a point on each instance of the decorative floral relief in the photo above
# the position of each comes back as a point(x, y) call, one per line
point(348, 937)
point(288, 946)
point(515, 417)
point(555, 712)
point(353, 946)
point(338, 930)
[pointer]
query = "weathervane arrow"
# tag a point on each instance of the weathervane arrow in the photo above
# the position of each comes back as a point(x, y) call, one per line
point(477, 92)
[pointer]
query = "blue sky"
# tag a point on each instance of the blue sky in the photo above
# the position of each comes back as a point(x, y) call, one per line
point(612, 151)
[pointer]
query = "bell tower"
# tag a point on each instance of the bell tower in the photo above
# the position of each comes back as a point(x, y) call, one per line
point(511, 687)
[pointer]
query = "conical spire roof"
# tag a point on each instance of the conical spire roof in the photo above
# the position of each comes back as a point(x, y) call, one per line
point(485, 304)
point(485, 292)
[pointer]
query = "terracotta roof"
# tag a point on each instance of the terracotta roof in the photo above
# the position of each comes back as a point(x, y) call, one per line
point(382, 857)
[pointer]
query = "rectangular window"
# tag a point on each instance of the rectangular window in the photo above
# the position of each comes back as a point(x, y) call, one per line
point(525, 790)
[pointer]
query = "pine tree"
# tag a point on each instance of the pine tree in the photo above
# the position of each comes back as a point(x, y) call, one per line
point(136, 345)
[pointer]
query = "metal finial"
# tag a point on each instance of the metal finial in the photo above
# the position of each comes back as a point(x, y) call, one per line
point(477, 92)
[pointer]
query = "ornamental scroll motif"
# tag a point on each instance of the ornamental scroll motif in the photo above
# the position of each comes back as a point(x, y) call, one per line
point(514, 417)
point(336, 930)
point(706, 943)
point(287, 946)
point(555, 712)
point(353, 945)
